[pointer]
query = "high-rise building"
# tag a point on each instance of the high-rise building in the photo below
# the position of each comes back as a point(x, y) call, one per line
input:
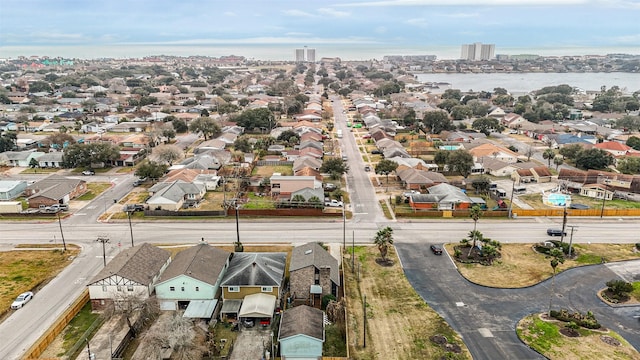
point(478, 51)
point(308, 55)
point(311, 55)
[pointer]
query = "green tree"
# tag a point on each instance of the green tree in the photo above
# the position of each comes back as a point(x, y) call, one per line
point(336, 167)
point(384, 238)
point(441, 158)
point(478, 107)
point(180, 126)
point(570, 151)
point(209, 127)
point(461, 112)
point(169, 133)
point(558, 160)
point(593, 159)
point(151, 170)
point(634, 142)
point(448, 104)
point(629, 165)
point(385, 167)
point(83, 155)
point(557, 258)
point(33, 163)
point(452, 94)
point(481, 184)
point(620, 289)
point(460, 161)
point(260, 118)
point(289, 137)
point(475, 213)
point(8, 141)
point(243, 144)
point(436, 121)
point(298, 200)
point(548, 155)
point(486, 125)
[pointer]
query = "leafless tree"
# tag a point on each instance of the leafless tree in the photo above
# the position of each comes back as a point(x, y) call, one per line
point(530, 150)
point(168, 153)
point(179, 334)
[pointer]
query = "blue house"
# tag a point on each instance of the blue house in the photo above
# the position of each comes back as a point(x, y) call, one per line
point(11, 189)
point(192, 280)
point(301, 333)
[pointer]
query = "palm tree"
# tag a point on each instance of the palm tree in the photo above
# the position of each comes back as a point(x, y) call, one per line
point(474, 213)
point(298, 200)
point(548, 155)
point(558, 160)
point(384, 238)
point(557, 258)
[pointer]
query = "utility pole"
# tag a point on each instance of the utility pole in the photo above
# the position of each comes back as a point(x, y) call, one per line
point(130, 227)
point(353, 251)
point(513, 186)
point(571, 239)
point(364, 321)
point(344, 226)
point(64, 245)
point(604, 198)
point(564, 223)
point(103, 239)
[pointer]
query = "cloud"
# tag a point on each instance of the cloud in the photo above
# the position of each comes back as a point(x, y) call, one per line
point(229, 13)
point(333, 12)
point(380, 30)
point(419, 22)
point(460, 15)
point(631, 39)
point(385, 3)
point(293, 33)
point(298, 13)
point(264, 41)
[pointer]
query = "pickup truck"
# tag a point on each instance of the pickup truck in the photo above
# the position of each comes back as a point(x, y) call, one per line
point(55, 208)
point(333, 203)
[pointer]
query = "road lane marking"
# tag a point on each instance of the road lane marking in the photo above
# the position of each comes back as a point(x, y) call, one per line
point(484, 332)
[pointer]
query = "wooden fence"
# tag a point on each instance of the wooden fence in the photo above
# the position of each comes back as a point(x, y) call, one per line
point(407, 213)
point(54, 330)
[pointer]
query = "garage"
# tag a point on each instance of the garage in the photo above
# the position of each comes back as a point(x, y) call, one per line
point(258, 307)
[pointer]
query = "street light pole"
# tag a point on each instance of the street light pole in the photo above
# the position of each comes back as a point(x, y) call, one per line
point(344, 226)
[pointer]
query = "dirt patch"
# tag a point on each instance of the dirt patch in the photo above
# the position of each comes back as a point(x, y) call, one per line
point(609, 340)
point(569, 332)
point(398, 322)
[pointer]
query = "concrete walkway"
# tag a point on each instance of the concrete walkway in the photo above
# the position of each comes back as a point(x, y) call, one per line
point(107, 338)
point(250, 344)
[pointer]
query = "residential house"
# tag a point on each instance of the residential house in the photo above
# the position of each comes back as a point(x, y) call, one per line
point(21, 158)
point(195, 274)
point(415, 179)
point(286, 185)
point(615, 148)
point(51, 160)
point(304, 162)
point(11, 189)
point(138, 126)
point(494, 151)
point(173, 196)
point(129, 276)
point(597, 191)
point(512, 120)
point(301, 333)
point(497, 167)
point(254, 273)
point(54, 189)
point(441, 196)
point(541, 174)
point(313, 274)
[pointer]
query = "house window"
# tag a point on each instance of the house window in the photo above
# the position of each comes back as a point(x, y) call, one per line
point(234, 288)
point(275, 186)
point(104, 288)
point(172, 288)
point(197, 288)
point(267, 289)
point(119, 288)
point(182, 288)
point(130, 288)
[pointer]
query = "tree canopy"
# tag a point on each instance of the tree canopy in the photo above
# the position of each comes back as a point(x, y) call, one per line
point(486, 125)
point(151, 170)
point(437, 121)
point(593, 159)
point(334, 166)
point(384, 238)
point(83, 155)
point(260, 118)
point(460, 161)
point(209, 127)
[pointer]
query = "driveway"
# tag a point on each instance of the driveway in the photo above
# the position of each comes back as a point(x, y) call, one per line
point(251, 344)
point(486, 318)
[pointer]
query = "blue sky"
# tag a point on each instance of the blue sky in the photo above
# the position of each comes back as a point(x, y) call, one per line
point(416, 25)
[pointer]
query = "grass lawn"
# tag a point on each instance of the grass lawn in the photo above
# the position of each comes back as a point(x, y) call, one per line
point(77, 327)
point(520, 266)
point(259, 202)
point(399, 323)
point(26, 270)
point(267, 171)
point(93, 190)
point(545, 337)
point(40, 171)
point(535, 200)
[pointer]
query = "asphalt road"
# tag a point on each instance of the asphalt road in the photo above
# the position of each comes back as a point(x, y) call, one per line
point(486, 318)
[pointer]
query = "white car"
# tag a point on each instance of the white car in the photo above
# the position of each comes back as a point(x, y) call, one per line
point(21, 300)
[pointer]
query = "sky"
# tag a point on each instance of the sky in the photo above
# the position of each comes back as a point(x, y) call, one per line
point(349, 28)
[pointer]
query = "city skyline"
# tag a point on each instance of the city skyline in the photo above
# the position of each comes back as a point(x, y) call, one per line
point(356, 29)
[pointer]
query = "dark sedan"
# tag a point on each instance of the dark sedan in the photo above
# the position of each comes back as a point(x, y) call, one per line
point(436, 249)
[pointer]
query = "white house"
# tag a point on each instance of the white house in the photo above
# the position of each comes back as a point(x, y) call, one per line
point(132, 274)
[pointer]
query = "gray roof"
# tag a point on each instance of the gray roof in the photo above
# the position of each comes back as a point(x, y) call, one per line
point(202, 262)
point(312, 254)
point(302, 320)
point(450, 193)
point(174, 191)
point(53, 156)
point(139, 263)
point(54, 187)
point(255, 269)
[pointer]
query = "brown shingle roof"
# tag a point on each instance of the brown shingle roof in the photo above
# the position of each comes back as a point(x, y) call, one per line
point(202, 262)
point(139, 263)
point(302, 320)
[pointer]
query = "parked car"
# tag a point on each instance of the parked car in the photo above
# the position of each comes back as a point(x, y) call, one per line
point(21, 300)
point(329, 186)
point(140, 181)
point(556, 232)
point(366, 136)
point(133, 207)
point(56, 207)
point(367, 168)
point(436, 249)
point(333, 203)
point(88, 172)
point(376, 152)
point(579, 206)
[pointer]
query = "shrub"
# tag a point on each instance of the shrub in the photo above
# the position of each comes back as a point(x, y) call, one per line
point(638, 246)
point(619, 289)
point(326, 299)
point(586, 321)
